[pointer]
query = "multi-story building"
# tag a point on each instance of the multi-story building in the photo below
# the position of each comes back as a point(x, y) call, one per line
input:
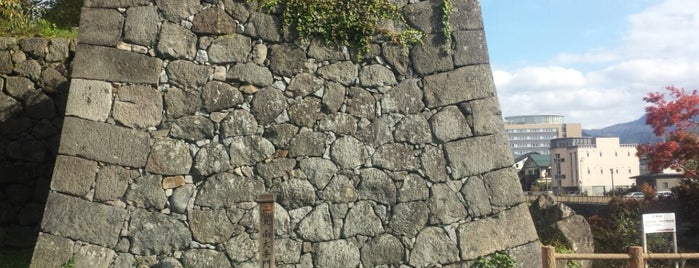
point(533, 133)
point(593, 166)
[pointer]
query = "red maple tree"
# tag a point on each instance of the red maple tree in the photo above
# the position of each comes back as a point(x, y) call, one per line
point(672, 118)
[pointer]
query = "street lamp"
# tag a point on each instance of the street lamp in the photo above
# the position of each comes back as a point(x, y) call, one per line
point(611, 171)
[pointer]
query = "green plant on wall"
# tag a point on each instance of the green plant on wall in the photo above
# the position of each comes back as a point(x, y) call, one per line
point(497, 260)
point(344, 23)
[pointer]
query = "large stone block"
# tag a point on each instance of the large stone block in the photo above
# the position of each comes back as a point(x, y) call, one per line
point(467, 157)
point(111, 64)
point(141, 25)
point(463, 84)
point(115, 3)
point(175, 11)
point(154, 233)
point(73, 175)
point(100, 26)
point(51, 251)
point(89, 99)
point(9, 107)
point(213, 21)
point(79, 219)
point(470, 48)
point(138, 106)
point(176, 42)
point(433, 56)
point(169, 157)
point(230, 48)
point(104, 142)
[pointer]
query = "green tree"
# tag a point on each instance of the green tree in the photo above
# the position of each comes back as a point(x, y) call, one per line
point(63, 13)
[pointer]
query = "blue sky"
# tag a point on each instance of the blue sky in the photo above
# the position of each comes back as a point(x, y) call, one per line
point(591, 61)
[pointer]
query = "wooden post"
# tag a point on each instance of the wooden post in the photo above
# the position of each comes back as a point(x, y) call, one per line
point(637, 260)
point(266, 234)
point(548, 256)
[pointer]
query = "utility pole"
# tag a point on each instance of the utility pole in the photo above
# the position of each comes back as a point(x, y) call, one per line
point(611, 171)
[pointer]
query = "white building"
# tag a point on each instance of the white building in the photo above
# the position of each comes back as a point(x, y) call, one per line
point(593, 165)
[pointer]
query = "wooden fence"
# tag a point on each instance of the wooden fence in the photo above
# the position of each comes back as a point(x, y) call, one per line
point(636, 257)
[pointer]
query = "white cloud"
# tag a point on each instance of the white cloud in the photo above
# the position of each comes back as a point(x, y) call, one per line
point(659, 49)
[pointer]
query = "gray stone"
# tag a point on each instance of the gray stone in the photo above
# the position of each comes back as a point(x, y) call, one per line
point(7, 42)
point(466, 15)
point(362, 220)
point(248, 150)
point(153, 233)
point(318, 170)
point(27, 150)
point(141, 25)
point(413, 129)
point(382, 250)
point(168, 262)
point(52, 80)
point(89, 99)
point(433, 56)
point(147, 192)
point(307, 144)
point(138, 106)
point(239, 10)
point(263, 26)
point(100, 26)
point(169, 157)
point(276, 168)
point(234, 48)
point(9, 107)
point(344, 72)
point(114, 65)
point(395, 156)
point(295, 193)
point(450, 87)
point(339, 123)
point(6, 64)
point(51, 251)
point(180, 102)
point(377, 186)
point(211, 226)
point(434, 163)
point(19, 87)
point(529, 254)
point(348, 152)
point(239, 123)
point(503, 187)
point(112, 182)
point(287, 250)
point(470, 48)
point(250, 73)
point(449, 124)
point(34, 46)
point(225, 190)
point(434, 247)
point(30, 69)
point(466, 158)
point(178, 10)
point(115, 3)
point(321, 52)
point(305, 112)
point(445, 206)
point(413, 188)
point(125, 260)
point(238, 248)
point(38, 105)
point(557, 223)
point(93, 256)
point(192, 128)
point(180, 198)
point(220, 96)
point(484, 113)
point(333, 97)
point(213, 21)
point(73, 175)
point(377, 132)
point(188, 75)
point(176, 42)
point(303, 84)
point(486, 236)
point(376, 76)
point(396, 56)
point(104, 142)
point(259, 54)
point(281, 134)
point(286, 60)
point(204, 258)
point(82, 220)
point(477, 197)
point(336, 253)
point(340, 190)
point(360, 103)
point(406, 98)
point(425, 16)
point(59, 49)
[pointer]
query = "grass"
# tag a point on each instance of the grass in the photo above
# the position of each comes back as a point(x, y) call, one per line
point(39, 28)
point(15, 258)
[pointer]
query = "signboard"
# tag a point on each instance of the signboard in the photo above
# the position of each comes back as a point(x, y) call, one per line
point(266, 235)
point(658, 223)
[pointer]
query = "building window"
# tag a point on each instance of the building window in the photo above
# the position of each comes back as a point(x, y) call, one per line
point(601, 171)
point(600, 154)
point(588, 171)
point(588, 154)
point(666, 185)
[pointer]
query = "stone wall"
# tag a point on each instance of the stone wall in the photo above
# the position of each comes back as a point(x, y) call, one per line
point(181, 112)
point(33, 89)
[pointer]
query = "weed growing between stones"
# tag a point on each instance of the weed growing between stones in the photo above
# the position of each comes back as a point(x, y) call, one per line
point(345, 23)
point(497, 260)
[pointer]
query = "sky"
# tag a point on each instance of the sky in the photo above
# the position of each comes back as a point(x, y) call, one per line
point(591, 61)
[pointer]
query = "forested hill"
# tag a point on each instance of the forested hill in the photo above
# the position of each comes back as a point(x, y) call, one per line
point(634, 132)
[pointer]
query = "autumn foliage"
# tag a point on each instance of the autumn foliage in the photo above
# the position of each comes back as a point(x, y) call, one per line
point(672, 117)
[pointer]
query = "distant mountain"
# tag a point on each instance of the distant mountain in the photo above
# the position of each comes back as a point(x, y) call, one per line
point(634, 132)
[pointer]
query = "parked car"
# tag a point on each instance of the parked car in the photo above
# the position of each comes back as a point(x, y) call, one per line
point(663, 194)
point(637, 195)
